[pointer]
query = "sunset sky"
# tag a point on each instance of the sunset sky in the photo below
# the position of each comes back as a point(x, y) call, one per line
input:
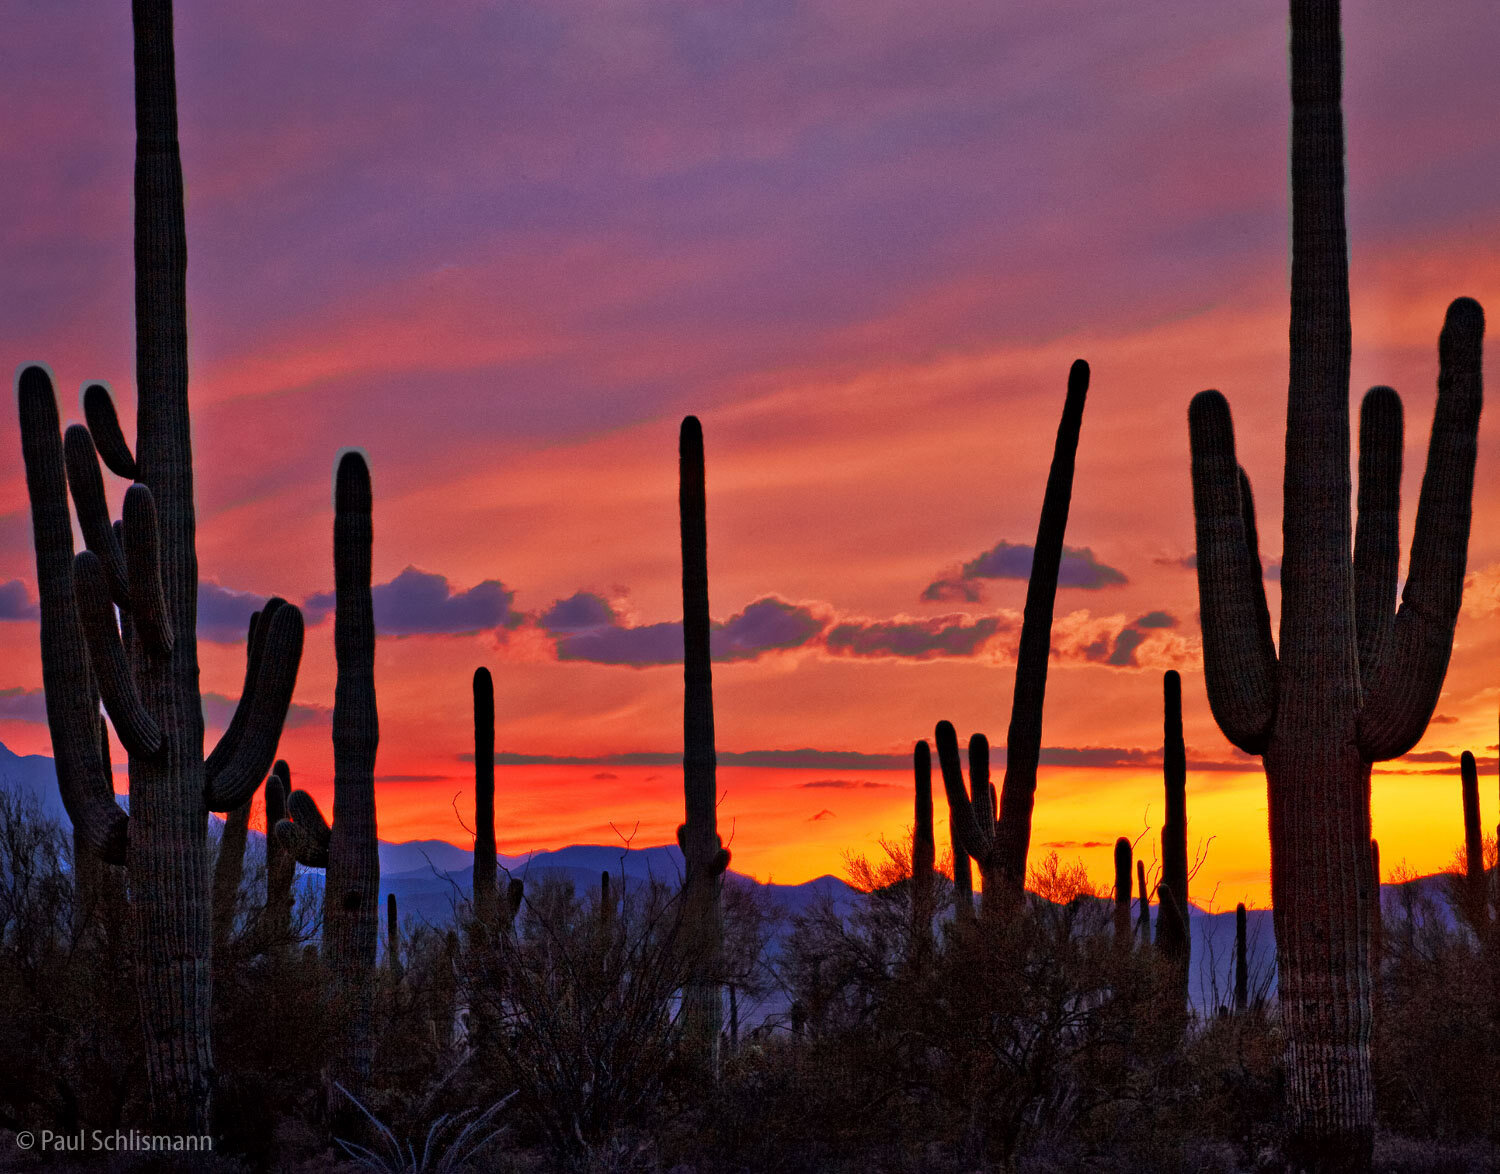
point(505, 248)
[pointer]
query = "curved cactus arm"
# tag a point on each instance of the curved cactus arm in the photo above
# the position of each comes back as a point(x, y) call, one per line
point(87, 486)
point(104, 427)
point(138, 731)
point(300, 845)
point(148, 606)
point(302, 809)
point(1377, 532)
point(1239, 658)
point(1400, 701)
point(267, 702)
point(72, 698)
point(1023, 740)
point(970, 834)
point(255, 642)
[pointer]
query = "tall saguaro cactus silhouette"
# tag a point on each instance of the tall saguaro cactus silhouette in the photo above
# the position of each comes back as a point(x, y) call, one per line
point(1351, 683)
point(1174, 932)
point(923, 853)
point(705, 855)
point(348, 851)
point(147, 675)
point(1001, 845)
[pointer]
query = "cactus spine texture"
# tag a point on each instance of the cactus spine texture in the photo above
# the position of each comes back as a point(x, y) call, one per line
point(1352, 683)
point(1000, 842)
point(706, 857)
point(147, 677)
point(1123, 881)
point(348, 850)
point(923, 853)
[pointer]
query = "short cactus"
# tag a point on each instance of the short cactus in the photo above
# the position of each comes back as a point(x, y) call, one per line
point(1123, 881)
point(923, 854)
point(1241, 962)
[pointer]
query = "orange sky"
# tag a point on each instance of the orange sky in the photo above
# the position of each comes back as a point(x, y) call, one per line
point(505, 258)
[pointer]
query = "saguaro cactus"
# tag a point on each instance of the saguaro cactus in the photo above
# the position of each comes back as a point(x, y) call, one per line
point(1143, 922)
point(393, 940)
point(923, 853)
point(1173, 925)
point(1001, 854)
point(1476, 885)
point(486, 896)
point(348, 851)
point(706, 857)
point(963, 876)
point(229, 870)
point(1241, 962)
point(1351, 684)
point(147, 677)
point(276, 917)
point(1123, 880)
point(972, 815)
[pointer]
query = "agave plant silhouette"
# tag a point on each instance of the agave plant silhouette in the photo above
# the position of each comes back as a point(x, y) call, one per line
point(441, 1153)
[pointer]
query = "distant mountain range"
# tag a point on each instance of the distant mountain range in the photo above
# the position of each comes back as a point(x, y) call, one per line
point(432, 877)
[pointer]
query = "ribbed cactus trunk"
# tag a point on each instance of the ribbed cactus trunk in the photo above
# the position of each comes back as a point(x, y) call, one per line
point(1173, 926)
point(144, 667)
point(1123, 881)
point(998, 834)
point(1351, 683)
point(1476, 886)
point(229, 870)
point(1241, 962)
point(351, 913)
point(923, 855)
point(486, 894)
point(706, 858)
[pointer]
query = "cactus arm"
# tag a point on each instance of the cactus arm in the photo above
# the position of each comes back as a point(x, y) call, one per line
point(138, 731)
point(981, 790)
point(254, 643)
point(302, 809)
point(300, 846)
point(1400, 701)
point(148, 606)
point(966, 826)
point(104, 427)
point(87, 487)
point(1377, 531)
point(236, 778)
point(72, 698)
point(1023, 740)
point(1239, 659)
